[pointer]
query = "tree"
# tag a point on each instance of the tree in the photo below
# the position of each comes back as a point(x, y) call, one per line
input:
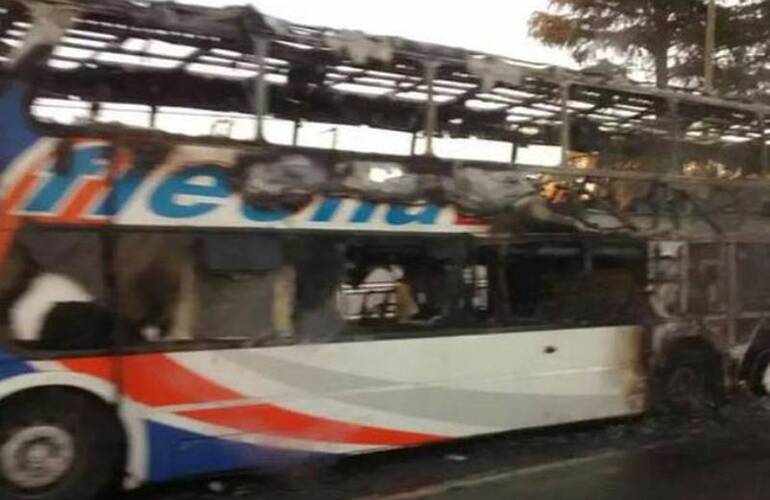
point(665, 35)
point(740, 58)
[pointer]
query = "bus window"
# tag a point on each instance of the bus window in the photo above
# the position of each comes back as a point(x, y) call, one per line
point(547, 156)
point(469, 149)
point(413, 285)
point(153, 278)
point(256, 289)
point(319, 264)
point(205, 123)
point(225, 289)
point(62, 111)
point(351, 138)
point(619, 130)
point(246, 287)
point(616, 130)
point(552, 283)
point(53, 293)
point(216, 287)
point(132, 115)
point(718, 142)
point(169, 289)
point(278, 131)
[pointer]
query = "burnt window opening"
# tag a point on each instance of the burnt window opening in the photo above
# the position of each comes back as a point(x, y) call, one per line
point(220, 289)
point(568, 284)
point(68, 290)
point(54, 292)
point(420, 284)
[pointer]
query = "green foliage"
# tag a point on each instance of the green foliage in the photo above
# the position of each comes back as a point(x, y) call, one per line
point(666, 36)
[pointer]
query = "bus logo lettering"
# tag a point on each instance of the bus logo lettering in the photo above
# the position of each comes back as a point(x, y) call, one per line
point(193, 192)
point(82, 162)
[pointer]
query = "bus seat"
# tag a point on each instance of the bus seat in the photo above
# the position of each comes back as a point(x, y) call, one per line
point(77, 326)
point(30, 310)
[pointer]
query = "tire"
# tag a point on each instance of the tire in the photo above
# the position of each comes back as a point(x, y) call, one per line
point(689, 382)
point(756, 373)
point(74, 440)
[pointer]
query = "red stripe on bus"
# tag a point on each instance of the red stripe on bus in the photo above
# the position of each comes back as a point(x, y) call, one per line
point(84, 198)
point(18, 193)
point(10, 223)
point(101, 368)
point(155, 380)
point(273, 420)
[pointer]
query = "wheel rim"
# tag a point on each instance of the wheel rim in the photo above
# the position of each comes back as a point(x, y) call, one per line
point(37, 457)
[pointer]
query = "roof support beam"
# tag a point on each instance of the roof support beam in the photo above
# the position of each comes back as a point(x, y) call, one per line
point(260, 86)
point(431, 113)
point(565, 124)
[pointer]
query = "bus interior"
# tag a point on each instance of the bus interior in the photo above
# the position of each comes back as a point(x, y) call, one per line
point(228, 289)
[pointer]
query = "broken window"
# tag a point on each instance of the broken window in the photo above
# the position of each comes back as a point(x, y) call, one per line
point(53, 289)
point(220, 289)
point(205, 123)
point(469, 149)
point(718, 141)
point(413, 285)
point(254, 289)
point(555, 283)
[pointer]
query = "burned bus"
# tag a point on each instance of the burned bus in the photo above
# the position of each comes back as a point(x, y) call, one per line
point(229, 241)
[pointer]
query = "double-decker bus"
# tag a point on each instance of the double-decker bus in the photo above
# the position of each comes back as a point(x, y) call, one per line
point(229, 241)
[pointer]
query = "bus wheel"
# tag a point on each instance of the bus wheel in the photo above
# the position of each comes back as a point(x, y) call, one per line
point(56, 447)
point(759, 373)
point(688, 382)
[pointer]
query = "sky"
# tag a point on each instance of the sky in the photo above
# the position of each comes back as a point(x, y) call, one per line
point(495, 26)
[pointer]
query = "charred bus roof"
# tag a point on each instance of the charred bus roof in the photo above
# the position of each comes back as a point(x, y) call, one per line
point(145, 52)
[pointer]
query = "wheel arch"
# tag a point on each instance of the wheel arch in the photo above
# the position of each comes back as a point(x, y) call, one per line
point(683, 350)
point(677, 346)
point(127, 418)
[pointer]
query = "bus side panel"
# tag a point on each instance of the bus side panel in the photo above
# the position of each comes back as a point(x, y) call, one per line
point(453, 386)
point(269, 405)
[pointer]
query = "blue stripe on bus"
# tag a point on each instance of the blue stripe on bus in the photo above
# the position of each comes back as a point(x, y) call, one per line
point(176, 453)
point(10, 366)
point(16, 134)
